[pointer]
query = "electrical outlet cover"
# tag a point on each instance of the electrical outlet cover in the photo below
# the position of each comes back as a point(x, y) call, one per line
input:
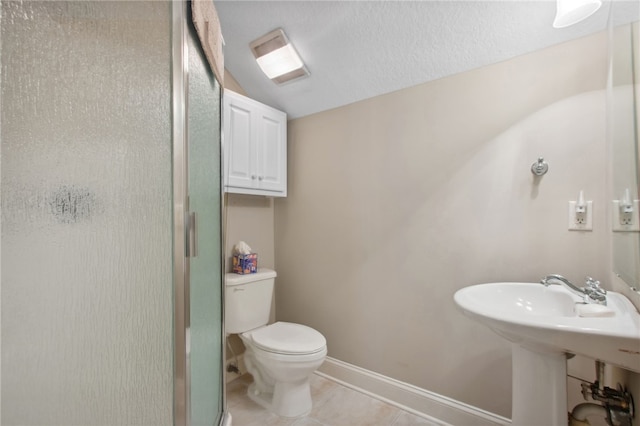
point(581, 221)
point(617, 224)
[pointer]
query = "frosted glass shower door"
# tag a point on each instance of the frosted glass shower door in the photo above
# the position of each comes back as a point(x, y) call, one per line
point(203, 129)
point(85, 135)
point(88, 230)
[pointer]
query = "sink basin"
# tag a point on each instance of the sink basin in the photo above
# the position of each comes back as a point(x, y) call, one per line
point(544, 324)
point(553, 318)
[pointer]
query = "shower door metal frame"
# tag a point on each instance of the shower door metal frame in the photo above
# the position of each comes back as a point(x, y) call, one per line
point(181, 243)
point(181, 313)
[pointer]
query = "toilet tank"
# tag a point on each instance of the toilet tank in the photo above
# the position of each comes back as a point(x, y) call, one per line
point(248, 300)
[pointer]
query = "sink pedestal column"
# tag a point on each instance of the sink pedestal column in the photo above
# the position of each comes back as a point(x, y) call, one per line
point(539, 387)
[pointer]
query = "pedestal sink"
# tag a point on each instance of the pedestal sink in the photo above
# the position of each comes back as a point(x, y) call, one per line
point(545, 324)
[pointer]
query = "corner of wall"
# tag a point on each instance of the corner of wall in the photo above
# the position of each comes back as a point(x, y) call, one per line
point(232, 84)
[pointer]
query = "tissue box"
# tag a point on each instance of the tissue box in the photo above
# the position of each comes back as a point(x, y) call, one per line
point(245, 263)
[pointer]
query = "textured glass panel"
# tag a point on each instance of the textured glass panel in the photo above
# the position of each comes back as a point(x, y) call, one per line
point(86, 213)
point(206, 275)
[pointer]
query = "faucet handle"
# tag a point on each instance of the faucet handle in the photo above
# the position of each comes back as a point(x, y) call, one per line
point(594, 292)
point(594, 285)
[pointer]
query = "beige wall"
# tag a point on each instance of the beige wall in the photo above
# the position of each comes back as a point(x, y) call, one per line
point(231, 83)
point(398, 201)
point(250, 219)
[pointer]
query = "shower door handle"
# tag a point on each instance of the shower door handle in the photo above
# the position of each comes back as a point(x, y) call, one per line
point(192, 242)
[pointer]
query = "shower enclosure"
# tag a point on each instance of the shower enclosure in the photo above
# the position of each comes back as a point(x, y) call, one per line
point(111, 296)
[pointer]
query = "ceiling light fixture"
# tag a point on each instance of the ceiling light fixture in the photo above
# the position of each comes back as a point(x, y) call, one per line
point(569, 12)
point(277, 57)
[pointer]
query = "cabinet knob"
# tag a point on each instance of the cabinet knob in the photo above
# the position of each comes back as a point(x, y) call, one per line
point(253, 177)
point(260, 178)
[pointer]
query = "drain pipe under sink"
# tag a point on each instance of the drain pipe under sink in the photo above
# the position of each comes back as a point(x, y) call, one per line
point(580, 412)
point(616, 405)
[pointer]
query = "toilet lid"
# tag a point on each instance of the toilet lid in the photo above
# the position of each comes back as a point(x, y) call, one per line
point(288, 338)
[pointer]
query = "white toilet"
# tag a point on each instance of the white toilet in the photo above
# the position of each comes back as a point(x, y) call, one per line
point(280, 356)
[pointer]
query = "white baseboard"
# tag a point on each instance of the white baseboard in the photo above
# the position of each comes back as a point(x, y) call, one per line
point(430, 405)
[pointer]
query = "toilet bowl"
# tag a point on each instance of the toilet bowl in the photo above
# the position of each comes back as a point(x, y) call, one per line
point(279, 356)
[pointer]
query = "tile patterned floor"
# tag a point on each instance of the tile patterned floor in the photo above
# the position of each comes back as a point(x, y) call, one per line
point(333, 405)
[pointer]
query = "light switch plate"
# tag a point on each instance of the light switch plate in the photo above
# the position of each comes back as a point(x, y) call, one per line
point(617, 225)
point(578, 221)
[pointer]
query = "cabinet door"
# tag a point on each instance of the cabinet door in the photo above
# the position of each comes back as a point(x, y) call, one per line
point(239, 139)
point(271, 147)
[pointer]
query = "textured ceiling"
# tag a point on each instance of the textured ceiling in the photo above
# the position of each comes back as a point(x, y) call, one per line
point(359, 49)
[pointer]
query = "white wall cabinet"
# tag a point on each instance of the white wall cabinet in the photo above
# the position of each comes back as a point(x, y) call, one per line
point(255, 144)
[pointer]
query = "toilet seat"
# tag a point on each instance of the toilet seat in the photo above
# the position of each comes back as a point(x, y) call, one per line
point(287, 338)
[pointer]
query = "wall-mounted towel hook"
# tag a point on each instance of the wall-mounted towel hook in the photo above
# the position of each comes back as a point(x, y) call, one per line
point(539, 167)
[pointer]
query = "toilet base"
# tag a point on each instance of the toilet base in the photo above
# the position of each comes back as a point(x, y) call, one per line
point(290, 399)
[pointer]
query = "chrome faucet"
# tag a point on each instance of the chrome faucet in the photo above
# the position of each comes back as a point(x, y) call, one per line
point(590, 293)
